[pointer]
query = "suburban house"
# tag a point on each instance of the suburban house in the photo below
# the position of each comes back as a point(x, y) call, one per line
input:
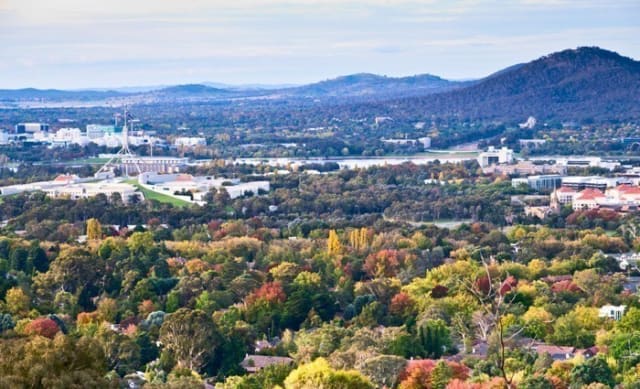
point(614, 312)
point(254, 363)
point(563, 353)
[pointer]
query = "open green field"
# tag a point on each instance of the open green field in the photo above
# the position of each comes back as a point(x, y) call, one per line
point(160, 197)
point(87, 161)
point(450, 153)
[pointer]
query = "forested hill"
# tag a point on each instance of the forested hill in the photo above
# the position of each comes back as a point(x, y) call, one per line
point(376, 86)
point(581, 84)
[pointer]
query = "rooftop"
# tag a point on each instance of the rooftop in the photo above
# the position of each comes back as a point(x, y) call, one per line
point(253, 363)
point(590, 194)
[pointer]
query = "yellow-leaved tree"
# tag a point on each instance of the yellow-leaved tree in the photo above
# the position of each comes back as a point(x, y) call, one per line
point(334, 247)
point(94, 229)
point(359, 238)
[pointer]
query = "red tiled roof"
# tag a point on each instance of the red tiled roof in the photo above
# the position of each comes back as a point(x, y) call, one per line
point(184, 177)
point(628, 189)
point(566, 189)
point(64, 178)
point(590, 194)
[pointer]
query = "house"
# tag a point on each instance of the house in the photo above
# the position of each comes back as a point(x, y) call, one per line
point(262, 345)
point(557, 353)
point(614, 312)
point(254, 363)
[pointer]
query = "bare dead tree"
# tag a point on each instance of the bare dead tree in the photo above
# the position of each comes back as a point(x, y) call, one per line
point(494, 305)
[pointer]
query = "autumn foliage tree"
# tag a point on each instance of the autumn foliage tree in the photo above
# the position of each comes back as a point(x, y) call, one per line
point(359, 238)
point(318, 374)
point(94, 229)
point(334, 246)
point(42, 326)
point(402, 305)
point(384, 263)
point(420, 374)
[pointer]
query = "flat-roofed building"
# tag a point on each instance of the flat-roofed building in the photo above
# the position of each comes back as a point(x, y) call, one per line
point(86, 190)
point(539, 183)
point(95, 131)
point(190, 141)
point(22, 128)
point(495, 156)
point(153, 164)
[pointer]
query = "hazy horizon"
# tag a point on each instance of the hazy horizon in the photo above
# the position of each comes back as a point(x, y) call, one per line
point(71, 44)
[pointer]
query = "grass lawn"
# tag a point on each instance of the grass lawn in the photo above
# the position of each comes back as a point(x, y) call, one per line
point(160, 197)
point(87, 161)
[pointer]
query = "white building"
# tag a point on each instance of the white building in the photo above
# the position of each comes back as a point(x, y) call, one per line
point(587, 162)
point(614, 312)
point(153, 164)
point(5, 138)
point(495, 156)
point(190, 141)
point(425, 141)
point(565, 195)
point(68, 136)
point(589, 199)
point(200, 186)
point(622, 197)
point(95, 131)
point(531, 142)
point(86, 190)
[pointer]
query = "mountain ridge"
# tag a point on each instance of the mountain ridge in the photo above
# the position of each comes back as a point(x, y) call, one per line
point(586, 83)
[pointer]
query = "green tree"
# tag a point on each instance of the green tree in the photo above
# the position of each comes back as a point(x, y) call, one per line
point(121, 352)
point(38, 257)
point(434, 338)
point(140, 242)
point(535, 382)
point(190, 336)
point(441, 375)
point(383, 370)
point(18, 302)
point(75, 271)
point(594, 370)
point(62, 362)
point(630, 321)
point(318, 374)
point(6, 322)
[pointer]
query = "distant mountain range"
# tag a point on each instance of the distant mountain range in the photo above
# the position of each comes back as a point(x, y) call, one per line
point(584, 83)
point(363, 85)
point(371, 85)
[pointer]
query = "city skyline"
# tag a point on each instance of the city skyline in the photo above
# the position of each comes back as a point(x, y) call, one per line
point(70, 44)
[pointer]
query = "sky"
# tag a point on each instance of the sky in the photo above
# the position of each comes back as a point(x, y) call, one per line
point(71, 44)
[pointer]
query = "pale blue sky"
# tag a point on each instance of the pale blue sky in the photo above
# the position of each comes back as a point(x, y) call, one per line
point(89, 43)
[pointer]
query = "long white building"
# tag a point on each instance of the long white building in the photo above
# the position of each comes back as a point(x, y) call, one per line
point(86, 190)
point(200, 186)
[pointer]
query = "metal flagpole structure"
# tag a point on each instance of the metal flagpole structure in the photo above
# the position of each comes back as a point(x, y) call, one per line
point(124, 152)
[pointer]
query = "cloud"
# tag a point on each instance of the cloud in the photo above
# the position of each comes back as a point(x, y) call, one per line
point(82, 40)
